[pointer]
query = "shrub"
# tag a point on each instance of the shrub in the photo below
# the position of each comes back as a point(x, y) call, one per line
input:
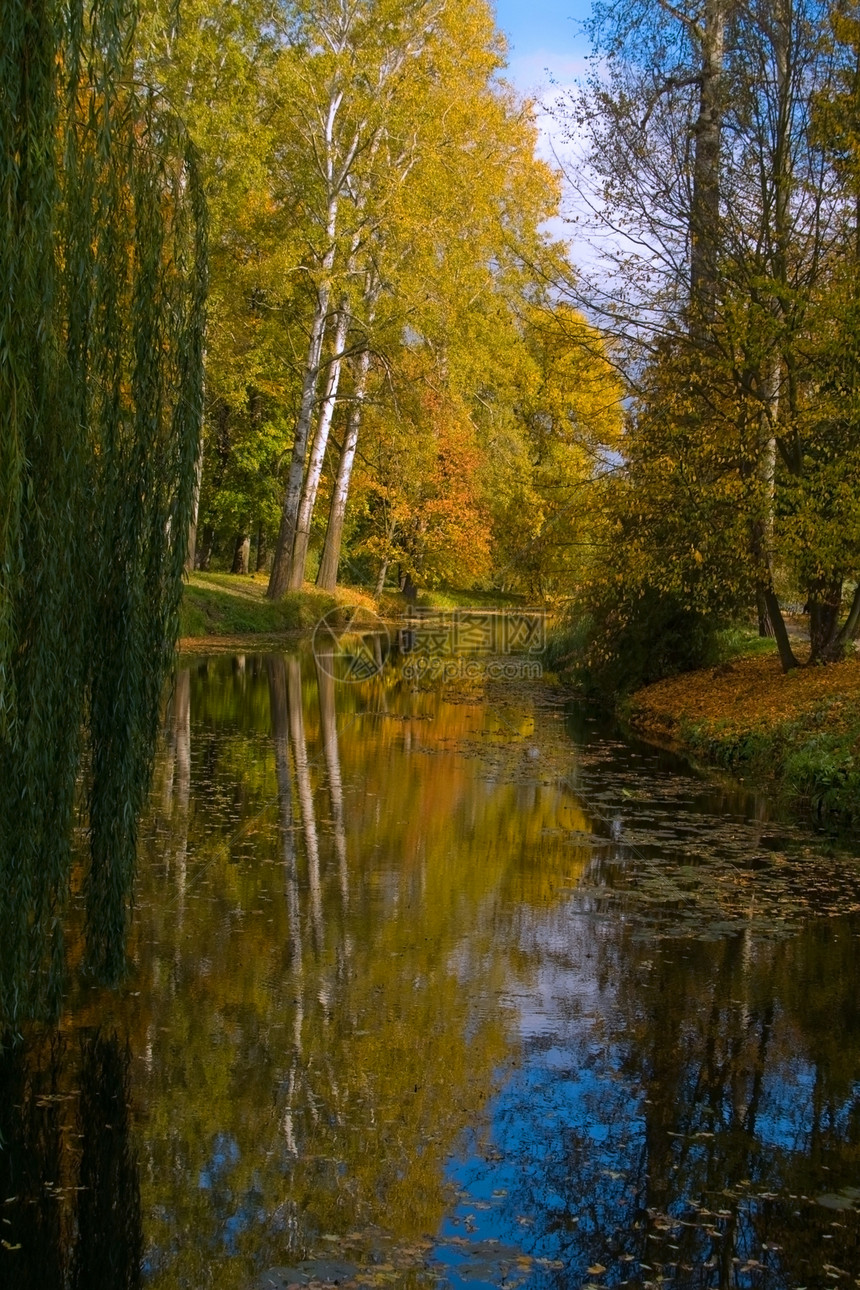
point(628, 641)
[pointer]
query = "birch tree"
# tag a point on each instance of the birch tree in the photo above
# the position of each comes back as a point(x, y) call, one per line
point(441, 203)
point(351, 61)
point(330, 559)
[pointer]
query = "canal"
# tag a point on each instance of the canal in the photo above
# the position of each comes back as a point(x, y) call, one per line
point(439, 983)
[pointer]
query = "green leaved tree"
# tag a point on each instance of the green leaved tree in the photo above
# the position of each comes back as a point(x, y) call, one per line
point(102, 273)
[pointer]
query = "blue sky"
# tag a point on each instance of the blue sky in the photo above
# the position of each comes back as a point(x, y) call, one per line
point(535, 25)
point(546, 40)
point(547, 56)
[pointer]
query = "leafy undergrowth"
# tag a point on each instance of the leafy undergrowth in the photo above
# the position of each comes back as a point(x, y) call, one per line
point(635, 661)
point(224, 604)
point(741, 640)
point(801, 730)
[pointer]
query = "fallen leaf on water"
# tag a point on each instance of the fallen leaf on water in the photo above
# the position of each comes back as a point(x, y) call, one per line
point(832, 1200)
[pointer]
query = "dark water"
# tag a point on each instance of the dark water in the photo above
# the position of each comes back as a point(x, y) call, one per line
point(446, 987)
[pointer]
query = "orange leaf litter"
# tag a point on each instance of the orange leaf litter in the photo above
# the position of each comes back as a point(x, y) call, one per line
point(747, 694)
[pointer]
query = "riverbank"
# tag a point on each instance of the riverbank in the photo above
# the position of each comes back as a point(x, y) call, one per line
point(228, 605)
point(799, 732)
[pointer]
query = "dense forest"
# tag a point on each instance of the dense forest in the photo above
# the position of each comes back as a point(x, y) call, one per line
point(396, 376)
point(370, 943)
point(408, 376)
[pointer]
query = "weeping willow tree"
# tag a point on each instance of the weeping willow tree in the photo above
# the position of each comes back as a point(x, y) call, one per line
point(102, 284)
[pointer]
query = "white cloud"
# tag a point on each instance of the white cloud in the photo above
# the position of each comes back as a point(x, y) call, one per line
point(547, 77)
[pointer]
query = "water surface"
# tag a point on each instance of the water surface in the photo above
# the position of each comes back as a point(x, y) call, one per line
point(443, 986)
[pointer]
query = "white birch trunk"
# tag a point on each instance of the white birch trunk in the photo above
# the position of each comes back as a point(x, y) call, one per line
point(317, 457)
point(327, 576)
point(279, 577)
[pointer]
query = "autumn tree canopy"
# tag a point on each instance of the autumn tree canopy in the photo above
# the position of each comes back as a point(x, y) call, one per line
point(379, 267)
point(722, 159)
point(404, 371)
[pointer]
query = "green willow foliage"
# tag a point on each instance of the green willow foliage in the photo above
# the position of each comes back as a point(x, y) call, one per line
point(102, 286)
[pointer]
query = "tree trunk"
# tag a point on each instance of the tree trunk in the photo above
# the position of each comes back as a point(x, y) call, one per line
point(705, 210)
point(767, 473)
point(407, 586)
point(262, 549)
point(783, 644)
point(241, 553)
point(206, 550)
point(282, 563)
point(825, 603)
point(327, 575)
point(280, 574)
point(851, 626)
point(191, 554)
point(765, 626)
point(315, 465)
point(765, 594)
point(380, 577)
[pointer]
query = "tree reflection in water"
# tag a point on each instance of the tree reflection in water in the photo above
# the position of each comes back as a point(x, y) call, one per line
point(385, 949)
point(68, 1169)
point(688, 1112)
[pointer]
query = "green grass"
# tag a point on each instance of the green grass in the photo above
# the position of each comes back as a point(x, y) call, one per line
point(739, 641)
point(822, 773)
point(227, 604)
point(224, 604)
point(812, 762)
point(448, 598)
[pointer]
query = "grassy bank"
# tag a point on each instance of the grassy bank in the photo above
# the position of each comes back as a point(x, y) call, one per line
point(445, 599)
point(224, 604)
point(799, 732)
point(227, 604)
